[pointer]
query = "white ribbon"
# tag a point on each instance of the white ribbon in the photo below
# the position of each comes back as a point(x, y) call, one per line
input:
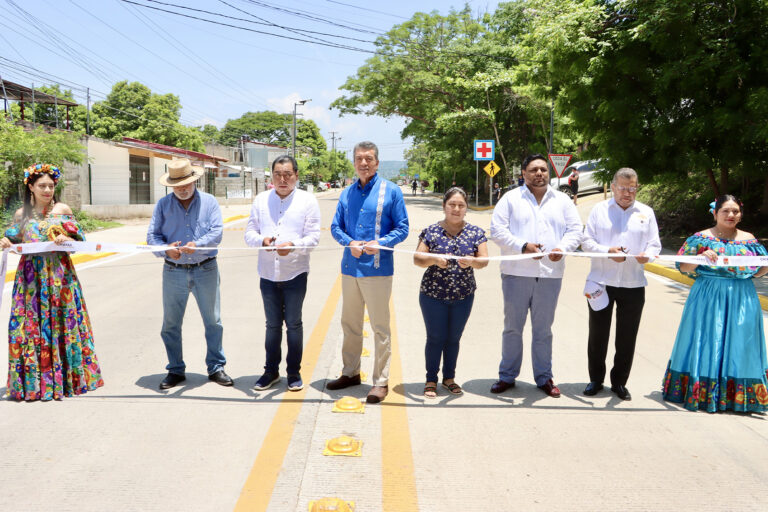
point(98, 247)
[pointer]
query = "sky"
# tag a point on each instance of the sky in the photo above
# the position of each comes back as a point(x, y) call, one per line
point(219, 72)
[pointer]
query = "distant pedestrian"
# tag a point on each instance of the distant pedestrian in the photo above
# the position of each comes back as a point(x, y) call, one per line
point(283, 218)
point(371, 212)
point(448, 286)
point(621, 225)
point(187, 218)
point(573, 183)
point(719, 359)
point(520, 180)
point(414, 185)
point(496, 192)
point(532, 219)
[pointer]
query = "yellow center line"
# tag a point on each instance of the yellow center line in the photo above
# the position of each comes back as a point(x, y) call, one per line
point(398, 485)
point(260, 483)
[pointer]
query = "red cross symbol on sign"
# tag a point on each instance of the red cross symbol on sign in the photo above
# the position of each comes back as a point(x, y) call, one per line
point(483, 149)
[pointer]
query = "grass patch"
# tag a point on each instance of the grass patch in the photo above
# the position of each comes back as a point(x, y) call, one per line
point(90, 224)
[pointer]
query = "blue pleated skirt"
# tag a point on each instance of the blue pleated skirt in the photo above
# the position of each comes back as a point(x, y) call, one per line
point(719, 359)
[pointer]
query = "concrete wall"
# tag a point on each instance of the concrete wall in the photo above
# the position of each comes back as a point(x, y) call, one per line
point(110, 173)
point(119, 211)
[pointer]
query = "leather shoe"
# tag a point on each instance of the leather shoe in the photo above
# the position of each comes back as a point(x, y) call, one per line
point(376, 394)
point(592, 388)
point(550, 389)
point(219, 377)
point(343, 382)
point(171, 380)
point(621, 392)
point(501, 386)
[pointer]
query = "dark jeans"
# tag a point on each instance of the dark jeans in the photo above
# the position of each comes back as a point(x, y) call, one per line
point(283, 301)
point(629, 307)
point(444, 321)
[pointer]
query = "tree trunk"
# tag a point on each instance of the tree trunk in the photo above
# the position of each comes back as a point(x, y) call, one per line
point(764, 206)
point(723, 180)
point(713, 182)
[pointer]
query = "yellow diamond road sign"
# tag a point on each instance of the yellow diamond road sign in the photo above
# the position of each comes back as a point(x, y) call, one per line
point(492, 168)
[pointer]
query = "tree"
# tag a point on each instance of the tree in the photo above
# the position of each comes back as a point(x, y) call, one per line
point(19, 149)
point(132, 110)
point(449, 77)
point(273, 128)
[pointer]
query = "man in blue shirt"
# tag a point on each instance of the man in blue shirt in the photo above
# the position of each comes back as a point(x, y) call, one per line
point(371, 213)
point(185, 219)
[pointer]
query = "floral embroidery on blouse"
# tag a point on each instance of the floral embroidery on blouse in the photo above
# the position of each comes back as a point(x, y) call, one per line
point(699, 242)
point(453, 282)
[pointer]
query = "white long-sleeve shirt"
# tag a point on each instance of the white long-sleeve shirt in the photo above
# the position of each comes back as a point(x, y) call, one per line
point(635, 229)
point(554, 223)
point(294, 219)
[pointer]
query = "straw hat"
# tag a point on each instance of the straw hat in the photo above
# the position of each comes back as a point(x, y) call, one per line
point(180, 172)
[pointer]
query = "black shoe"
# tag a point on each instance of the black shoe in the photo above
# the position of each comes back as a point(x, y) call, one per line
point(219, 377)
point(501, 386)
point(171, 380)
point(621, 392)
point(593, 388)
point(343, 382)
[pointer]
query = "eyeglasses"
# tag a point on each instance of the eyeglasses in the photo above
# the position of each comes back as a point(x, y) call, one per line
point(631, 190)
point(283, 175)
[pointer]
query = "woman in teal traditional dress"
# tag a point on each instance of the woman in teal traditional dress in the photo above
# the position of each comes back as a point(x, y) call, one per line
point(719, 359)
point(51, 352)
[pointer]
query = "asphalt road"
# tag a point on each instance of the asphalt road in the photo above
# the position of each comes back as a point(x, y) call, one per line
point(203, 447)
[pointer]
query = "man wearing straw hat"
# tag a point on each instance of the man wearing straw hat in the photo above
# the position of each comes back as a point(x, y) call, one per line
point(185, 219)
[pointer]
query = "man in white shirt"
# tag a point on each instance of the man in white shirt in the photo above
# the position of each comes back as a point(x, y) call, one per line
point(618, 226)
point(532, 219)
point(283, 217)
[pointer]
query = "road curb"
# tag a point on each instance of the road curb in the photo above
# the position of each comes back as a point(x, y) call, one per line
point(675, 275)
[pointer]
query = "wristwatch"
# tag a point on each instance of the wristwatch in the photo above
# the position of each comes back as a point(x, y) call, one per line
point(523, 249)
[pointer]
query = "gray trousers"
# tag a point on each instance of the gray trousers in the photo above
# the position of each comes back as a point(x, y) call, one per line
point(540, 295)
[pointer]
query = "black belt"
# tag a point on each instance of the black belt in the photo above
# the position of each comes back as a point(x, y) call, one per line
point(189, 265)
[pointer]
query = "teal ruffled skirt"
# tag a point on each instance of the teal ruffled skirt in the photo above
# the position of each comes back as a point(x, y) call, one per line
point(719, 359)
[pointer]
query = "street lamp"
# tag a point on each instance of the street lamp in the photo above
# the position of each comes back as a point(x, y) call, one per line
point(293, 138)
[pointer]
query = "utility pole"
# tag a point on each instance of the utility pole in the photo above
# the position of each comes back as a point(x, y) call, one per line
point(293, 138)
point(333, 153)
point(88, 111)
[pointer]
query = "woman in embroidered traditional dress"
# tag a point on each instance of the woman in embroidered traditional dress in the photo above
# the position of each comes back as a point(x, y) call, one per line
point(448, 286)
point(51, 352)
point(719, 359)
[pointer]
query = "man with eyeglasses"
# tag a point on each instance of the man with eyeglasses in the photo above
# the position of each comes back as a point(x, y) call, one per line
point(370, 214)
point(532, 219)
point(283, 218)
point(621, 226)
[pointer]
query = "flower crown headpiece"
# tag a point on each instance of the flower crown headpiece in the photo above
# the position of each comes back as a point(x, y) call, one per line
point(42, 168)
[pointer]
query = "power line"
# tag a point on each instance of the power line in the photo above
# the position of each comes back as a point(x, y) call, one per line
point(366, 9)
point(331, 45)
point(357, 27)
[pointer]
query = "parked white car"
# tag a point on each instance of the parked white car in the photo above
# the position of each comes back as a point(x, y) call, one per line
point(587, 177)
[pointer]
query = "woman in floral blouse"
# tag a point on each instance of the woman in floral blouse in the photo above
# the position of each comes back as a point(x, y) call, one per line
point(50, 342)
point(719, 359)
point(448, 287)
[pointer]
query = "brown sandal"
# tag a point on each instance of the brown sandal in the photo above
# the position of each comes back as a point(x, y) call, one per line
point(430, 391)
point(454, 388)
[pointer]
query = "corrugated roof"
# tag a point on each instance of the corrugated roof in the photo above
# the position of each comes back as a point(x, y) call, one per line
point(19, 92)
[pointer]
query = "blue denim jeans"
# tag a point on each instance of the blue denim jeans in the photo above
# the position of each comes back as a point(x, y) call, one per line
point(283, 301)
point(203, 282)
point(444, 321)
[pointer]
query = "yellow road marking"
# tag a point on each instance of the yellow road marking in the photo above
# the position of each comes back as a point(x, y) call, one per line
point(260, 483)
point(234, 217)
point(398, 485)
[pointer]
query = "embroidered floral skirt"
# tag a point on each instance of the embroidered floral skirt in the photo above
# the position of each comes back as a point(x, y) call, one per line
point(50, 352)
point(719, 359)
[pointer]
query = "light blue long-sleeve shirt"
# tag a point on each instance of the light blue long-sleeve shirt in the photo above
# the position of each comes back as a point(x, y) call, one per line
point(355, 219)
point(200, 223)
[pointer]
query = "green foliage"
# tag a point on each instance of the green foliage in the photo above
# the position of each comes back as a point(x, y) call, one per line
point(20, 149)
point(133, 110)
point(273, 128)
point(90, 224)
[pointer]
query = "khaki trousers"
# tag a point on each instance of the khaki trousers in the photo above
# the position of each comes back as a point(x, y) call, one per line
point(357, 293)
